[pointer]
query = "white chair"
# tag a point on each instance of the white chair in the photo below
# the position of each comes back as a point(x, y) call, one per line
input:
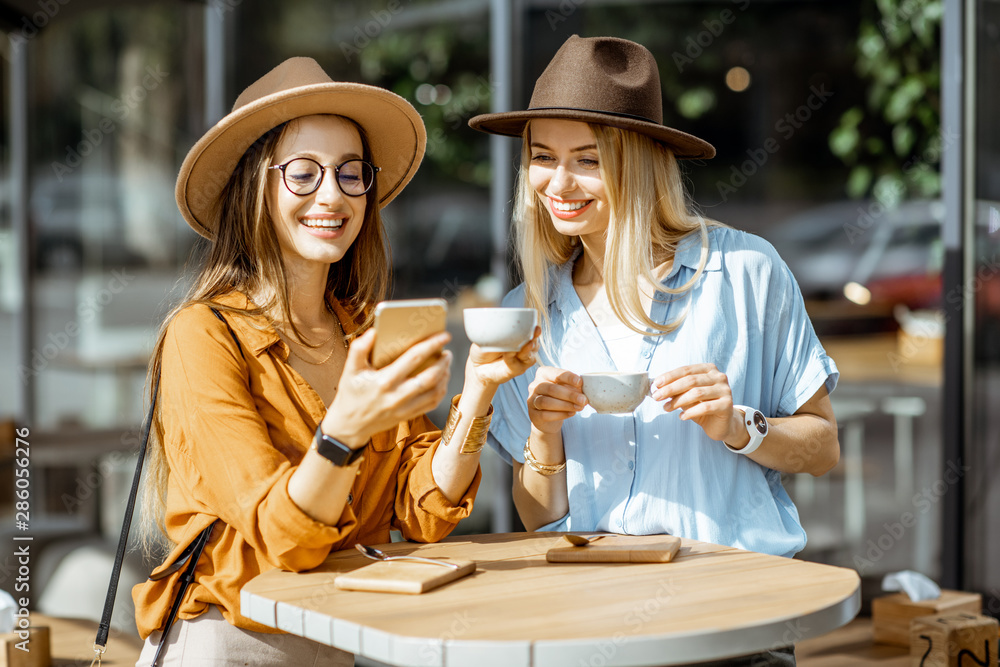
point(904, 410)
point(851, 413)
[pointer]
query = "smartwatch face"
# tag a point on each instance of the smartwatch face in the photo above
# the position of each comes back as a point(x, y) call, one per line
point(760, 423)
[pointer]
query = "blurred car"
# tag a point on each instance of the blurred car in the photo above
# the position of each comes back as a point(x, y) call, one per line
point(856, 261)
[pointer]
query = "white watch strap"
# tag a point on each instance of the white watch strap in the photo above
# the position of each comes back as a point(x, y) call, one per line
point(756, 437)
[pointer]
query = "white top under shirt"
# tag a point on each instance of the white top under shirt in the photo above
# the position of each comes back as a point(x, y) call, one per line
point(623, 344)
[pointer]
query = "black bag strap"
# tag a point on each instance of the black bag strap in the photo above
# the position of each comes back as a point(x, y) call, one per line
point(191, 554)
point(186, 579)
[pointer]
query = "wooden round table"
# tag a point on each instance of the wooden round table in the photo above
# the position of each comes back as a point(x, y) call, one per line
point(518, 609)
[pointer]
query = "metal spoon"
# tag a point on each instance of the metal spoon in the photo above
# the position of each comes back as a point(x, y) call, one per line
point(580, 540)
point(378, 554)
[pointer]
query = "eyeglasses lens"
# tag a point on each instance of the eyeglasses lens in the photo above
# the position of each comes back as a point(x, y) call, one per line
point(354, 177)
point(302, 176)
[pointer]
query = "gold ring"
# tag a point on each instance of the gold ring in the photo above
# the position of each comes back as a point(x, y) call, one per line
point(534, 402)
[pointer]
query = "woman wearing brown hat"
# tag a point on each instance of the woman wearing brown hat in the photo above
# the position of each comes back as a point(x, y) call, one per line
point(629, 278)
point(275, 437)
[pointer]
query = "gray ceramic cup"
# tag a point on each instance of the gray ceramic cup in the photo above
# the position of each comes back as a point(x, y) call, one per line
point(614, 392)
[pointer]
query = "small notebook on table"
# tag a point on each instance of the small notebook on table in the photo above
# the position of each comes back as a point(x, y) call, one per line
point(400, 576)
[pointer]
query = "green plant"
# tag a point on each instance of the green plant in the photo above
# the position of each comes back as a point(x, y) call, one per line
point(442, 70)
point(893, 143)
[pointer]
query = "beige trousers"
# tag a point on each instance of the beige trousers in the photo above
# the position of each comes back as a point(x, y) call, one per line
point(211, 640)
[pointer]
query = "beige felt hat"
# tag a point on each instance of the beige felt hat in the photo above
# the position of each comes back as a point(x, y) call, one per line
point(604, 80)
point(299, 87)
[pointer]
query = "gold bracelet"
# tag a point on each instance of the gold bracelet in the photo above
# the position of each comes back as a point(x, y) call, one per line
point(540, 468)
point(475, 439)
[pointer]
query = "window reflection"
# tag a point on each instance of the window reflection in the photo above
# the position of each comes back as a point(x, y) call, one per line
point(112, 103)
point(981, 291)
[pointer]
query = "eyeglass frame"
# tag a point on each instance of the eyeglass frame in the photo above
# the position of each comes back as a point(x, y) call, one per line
point(322, 175)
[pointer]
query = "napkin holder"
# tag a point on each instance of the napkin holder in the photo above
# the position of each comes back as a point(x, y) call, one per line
point(892, 614)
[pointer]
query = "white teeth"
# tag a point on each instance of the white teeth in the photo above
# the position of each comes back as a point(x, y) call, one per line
point(569, 206)
point(323, 224)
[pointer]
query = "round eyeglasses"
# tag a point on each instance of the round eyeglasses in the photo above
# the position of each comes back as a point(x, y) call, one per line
point(303, 175)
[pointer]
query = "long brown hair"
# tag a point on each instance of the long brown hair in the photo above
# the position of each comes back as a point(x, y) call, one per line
point(245, 256)
point(650, 213)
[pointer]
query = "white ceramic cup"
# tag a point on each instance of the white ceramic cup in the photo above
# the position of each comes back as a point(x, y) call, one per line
point(500, 329)
point(614, 392)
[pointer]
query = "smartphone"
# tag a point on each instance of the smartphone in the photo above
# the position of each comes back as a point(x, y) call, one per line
point(401, 324)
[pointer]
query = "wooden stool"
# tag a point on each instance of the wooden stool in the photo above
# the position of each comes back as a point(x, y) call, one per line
point(34, 650)
point(953, 640)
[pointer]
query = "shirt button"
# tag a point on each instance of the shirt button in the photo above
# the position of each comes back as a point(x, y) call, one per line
point(350, 498)
point(648, 351)
point(631, 465)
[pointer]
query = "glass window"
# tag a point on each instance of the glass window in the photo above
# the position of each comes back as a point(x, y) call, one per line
point(113, 100)
point(982, 293)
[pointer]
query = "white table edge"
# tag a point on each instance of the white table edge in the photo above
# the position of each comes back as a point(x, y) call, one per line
point(617, 651)
point(672, 649)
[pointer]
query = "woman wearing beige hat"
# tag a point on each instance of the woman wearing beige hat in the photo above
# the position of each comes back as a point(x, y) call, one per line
point(275, 439)
point(628, 277)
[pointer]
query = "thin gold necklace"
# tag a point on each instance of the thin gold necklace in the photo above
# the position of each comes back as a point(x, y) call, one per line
point(333, 349)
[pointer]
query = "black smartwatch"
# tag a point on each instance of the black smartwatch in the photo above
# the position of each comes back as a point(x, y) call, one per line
point(335, 451)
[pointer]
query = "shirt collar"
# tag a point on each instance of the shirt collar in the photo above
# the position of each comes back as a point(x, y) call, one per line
point(561, 279)
point(257, 333)
point(688, 255)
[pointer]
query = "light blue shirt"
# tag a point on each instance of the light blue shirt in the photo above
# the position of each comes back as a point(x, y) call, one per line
point(649, 472)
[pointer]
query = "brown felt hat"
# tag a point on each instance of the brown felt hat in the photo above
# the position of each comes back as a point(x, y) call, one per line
point(603, 80)
point(295, 88)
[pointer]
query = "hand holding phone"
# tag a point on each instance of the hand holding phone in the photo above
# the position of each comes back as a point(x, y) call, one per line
point(365, 404)
point(401, 324)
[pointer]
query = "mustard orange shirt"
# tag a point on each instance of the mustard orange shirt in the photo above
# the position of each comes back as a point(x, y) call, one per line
point(235, 428)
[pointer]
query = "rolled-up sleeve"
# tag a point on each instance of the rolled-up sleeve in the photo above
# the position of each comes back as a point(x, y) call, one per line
point(220, 451)
point(801, 365)
point(423, 512)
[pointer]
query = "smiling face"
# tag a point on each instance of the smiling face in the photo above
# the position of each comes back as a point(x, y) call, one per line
point(565, 172)
point(318, 229)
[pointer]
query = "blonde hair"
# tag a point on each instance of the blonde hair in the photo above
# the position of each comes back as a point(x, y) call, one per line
point(245, 256)
point(650, 213)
